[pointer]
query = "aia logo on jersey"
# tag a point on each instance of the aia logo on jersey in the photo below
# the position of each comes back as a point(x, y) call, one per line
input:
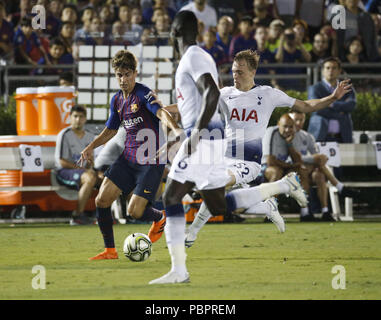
point(245, 115)
point(134, 107)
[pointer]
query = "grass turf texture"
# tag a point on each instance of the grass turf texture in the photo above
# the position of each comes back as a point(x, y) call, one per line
point(243, 261)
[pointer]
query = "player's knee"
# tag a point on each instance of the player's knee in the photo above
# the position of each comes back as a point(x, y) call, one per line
point(170, 198)
point(273, 173)
point(318, 177)
point(102, 202)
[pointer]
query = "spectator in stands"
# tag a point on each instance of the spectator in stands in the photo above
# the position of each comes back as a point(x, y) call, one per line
point(332, 39)
point(358, 23)
point(319, 50)
point(106, 15)
point(312, 12)
point(203, 12)
point(69, 13)
point(56, 55)
point(7, 34)
point(82, 35)
point(266, 57)
point(53, 24)
point(27, 45)
point(377, 24)
point(212, 48)
point(245, 39)
point(136, 16)
point(132, 32)
point(148, 38)
point(70, 143)
point(354, 52)
point(232, 8)
point(99, 36)
point(201, 30)
point(291, 51)
point(300, 28)
point(224, 33)
point(118, 34)
point(24, 10)
point(67, 35)
point(261, 14)
point(286, 10)
point(159, 4)
point(161, 30)
point(56, 7)
point(66, 79)
point(335, 122)
point(275, 31)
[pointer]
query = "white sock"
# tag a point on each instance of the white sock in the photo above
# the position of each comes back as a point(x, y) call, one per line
point(304, 211)
point(339, 186)
point(245, 198)
point(175, 235)
point(202, 217)
point(325, 209)
point(261, 208)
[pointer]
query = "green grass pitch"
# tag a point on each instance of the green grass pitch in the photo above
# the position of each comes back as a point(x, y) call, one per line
point(242, 261)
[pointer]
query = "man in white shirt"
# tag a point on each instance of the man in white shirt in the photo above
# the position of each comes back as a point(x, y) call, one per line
point(203, 12)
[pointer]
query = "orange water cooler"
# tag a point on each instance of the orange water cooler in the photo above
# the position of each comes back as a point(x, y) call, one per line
point(54, 104)
point(26, 111)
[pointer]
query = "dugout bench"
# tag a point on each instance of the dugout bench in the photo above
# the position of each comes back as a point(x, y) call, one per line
point(353, 154)
point(41, 189)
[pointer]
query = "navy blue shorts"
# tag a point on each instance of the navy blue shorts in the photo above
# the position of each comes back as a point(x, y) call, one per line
point(70, 177)
point(143, 179)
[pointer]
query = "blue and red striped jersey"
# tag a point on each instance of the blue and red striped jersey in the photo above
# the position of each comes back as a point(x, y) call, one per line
point(138, 117)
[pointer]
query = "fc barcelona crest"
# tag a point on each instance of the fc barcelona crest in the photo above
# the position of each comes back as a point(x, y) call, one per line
point(134, 107)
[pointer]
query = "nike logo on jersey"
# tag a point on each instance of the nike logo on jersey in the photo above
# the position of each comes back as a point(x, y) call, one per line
point(146, 191)
point(232, 98)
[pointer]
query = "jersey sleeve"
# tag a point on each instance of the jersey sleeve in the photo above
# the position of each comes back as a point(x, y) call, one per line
point(146, 98)
point(113, 121)
point(198, 65)
point(281, 99)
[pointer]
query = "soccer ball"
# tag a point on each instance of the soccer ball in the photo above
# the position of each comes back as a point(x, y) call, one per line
point(137, 247)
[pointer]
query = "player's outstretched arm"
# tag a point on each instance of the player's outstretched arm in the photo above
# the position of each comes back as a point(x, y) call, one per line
point(317, 104)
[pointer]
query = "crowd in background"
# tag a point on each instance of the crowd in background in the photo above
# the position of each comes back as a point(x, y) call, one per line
point(284, 31)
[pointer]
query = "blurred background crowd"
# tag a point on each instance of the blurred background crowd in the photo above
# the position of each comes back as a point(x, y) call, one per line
point(282, 31)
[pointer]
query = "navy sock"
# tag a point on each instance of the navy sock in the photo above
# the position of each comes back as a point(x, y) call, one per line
point(151, 214)
point(175, 210)
point(105, 223)
point(230, 204)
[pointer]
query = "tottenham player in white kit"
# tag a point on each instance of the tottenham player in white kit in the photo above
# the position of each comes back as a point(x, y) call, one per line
point(199, 100)
point(197, 96)
point(247, 109)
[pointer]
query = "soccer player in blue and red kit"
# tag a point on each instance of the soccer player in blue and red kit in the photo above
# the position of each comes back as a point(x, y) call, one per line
point(132, 107)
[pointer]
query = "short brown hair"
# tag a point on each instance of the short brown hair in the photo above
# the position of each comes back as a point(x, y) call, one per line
point(331, 59)
point(251, 57)
point(78, 108)
point(125, 60)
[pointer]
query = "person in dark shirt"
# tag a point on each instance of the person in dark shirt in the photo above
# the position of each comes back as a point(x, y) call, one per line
point(56, 56)
point(320, 48)
point(26, 43)
point(7, 34)
point(134, 171)
point(212, 48)
point(245, 39)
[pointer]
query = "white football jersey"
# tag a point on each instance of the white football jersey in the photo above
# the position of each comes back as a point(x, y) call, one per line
point(247, 115)
point(194, 63)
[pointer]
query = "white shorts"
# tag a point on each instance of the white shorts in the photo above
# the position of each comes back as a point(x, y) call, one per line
point(244, 171)
point(206, 167)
